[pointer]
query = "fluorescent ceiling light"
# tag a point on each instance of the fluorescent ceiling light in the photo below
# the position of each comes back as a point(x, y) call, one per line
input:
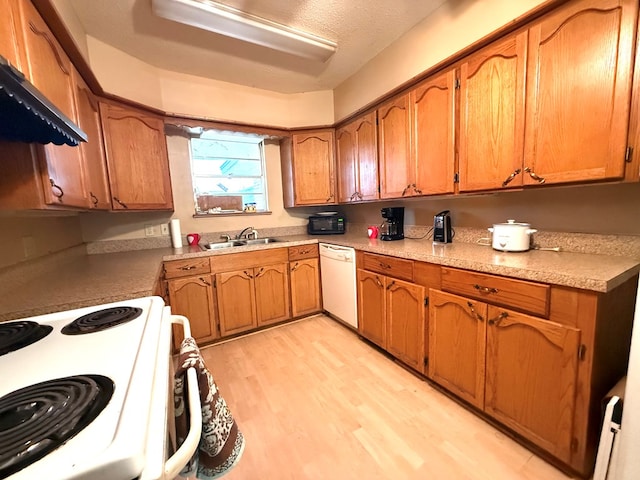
point(219, 18)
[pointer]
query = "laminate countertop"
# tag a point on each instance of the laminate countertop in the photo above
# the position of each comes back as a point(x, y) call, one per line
point(75, 279)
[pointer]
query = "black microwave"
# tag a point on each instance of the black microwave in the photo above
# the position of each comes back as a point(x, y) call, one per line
point(326, 224)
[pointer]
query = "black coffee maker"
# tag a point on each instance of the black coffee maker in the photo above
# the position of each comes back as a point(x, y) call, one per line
point(393, 225)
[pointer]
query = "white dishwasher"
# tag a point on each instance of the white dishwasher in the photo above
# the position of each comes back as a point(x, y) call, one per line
point(338, 274)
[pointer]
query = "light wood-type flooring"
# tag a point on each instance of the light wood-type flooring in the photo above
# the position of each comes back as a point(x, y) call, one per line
point(315, 402)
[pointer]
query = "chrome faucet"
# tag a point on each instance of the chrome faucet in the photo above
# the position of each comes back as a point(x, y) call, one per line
point(227, 238)
point(242, 234)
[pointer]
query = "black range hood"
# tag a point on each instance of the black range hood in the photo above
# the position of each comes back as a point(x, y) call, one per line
point(27, 116)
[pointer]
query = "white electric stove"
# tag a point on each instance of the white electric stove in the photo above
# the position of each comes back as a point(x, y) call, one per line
point(116, 379)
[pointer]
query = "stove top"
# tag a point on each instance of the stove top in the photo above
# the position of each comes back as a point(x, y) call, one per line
point(17, 335)
point(105, 376)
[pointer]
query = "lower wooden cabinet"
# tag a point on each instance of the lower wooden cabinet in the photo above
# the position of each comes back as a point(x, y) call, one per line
point(193, 298)
point(531, 376)
point(457, 339)
point(391, 314)
point(305, 287)
point(252, 297)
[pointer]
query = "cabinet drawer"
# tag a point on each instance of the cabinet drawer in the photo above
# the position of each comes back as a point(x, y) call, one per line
point(393, 267)
point(187, 267)
point(303, 251)
point(517, 294)
point(258, 258)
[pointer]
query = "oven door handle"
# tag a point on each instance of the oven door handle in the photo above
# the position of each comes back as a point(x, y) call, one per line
point(181, 457)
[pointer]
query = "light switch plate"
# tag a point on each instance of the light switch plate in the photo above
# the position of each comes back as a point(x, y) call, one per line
point(150, 230)
point(164, 229)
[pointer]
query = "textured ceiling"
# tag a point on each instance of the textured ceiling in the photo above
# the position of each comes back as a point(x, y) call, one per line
point(361, 28)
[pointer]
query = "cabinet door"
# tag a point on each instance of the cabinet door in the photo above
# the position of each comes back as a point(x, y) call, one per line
point(272, 293)
point(313, 159)
point(578, 91)
point(433, 124)
point(492, 92)
point(305, 287)
point(394, 148)
point(9, 31)
point(236, 301)
point(346, 163)
point(137, 159)
point(372, 307)
point(92, 150)
point(531, 373)
point(405, 320)
point(193, 298)
point(457, 339)
point(366, 136)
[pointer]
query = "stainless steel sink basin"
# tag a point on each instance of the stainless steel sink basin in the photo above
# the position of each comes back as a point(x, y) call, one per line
point(239, 243)
point(219, 245)
point(258, 241)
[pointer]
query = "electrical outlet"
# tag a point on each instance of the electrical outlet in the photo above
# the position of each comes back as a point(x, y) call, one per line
point(164, 229)
point(150, 230)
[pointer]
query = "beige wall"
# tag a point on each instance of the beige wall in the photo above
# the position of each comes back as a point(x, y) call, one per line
point(182, 94)
point(72, 22)
point(29, 237)
point(453, 26)
point(604, 209)
point(120, 226)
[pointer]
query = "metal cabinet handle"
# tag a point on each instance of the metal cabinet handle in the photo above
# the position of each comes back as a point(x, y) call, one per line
point(385, 265)
point(379, 283)
point(412, 185)
point(496, 321)
point(474, 313)
point(417, 190)
point(247, 274)
point(124, 205)
point(295, 267)
point(510, 178)
point(329, 198)
point(259, 272)
point(94, 199)
point(205, 282)
point(533, 175)
point(484, 289)
point(189, 267)
point(393, 282)
point(60, 193)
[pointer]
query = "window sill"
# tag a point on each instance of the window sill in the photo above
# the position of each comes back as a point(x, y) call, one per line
point(230, 214)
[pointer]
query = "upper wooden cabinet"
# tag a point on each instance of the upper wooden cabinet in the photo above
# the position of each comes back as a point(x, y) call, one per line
point(394, 148)
point(492, 92)
point(137, 159)
point(308, 168)
point(92, 151)
point(357, 159)
point(9, 32)
point(578, 92)
point(433, 135)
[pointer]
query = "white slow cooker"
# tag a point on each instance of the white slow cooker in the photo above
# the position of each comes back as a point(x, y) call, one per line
point(511, 236)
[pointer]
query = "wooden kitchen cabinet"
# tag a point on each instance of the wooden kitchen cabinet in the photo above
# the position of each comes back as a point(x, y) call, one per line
point(492, 110)
point(372, 307)
point(357, 160)
point(457, 342)
point(252, 289)
point(92, 151)
point(193, 297)
point(308, 168)
point(432, 112)
point(305, 287)
point(394, 147)
point(10, 32)
point(578, 92)
point(531, 377)
point(391, 311)
point(137, 159)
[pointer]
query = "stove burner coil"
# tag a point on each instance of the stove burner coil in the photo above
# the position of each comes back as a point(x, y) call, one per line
point(36, 420)
point(101, 320)
point(17, 335)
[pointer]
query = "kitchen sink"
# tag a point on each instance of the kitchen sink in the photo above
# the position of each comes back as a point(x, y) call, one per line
point(238, 243)
point(257, 241)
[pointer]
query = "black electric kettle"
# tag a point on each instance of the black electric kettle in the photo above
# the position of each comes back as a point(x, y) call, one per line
point(442, 232)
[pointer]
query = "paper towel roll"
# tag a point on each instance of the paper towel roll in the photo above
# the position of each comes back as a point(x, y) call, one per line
point(176, 236)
